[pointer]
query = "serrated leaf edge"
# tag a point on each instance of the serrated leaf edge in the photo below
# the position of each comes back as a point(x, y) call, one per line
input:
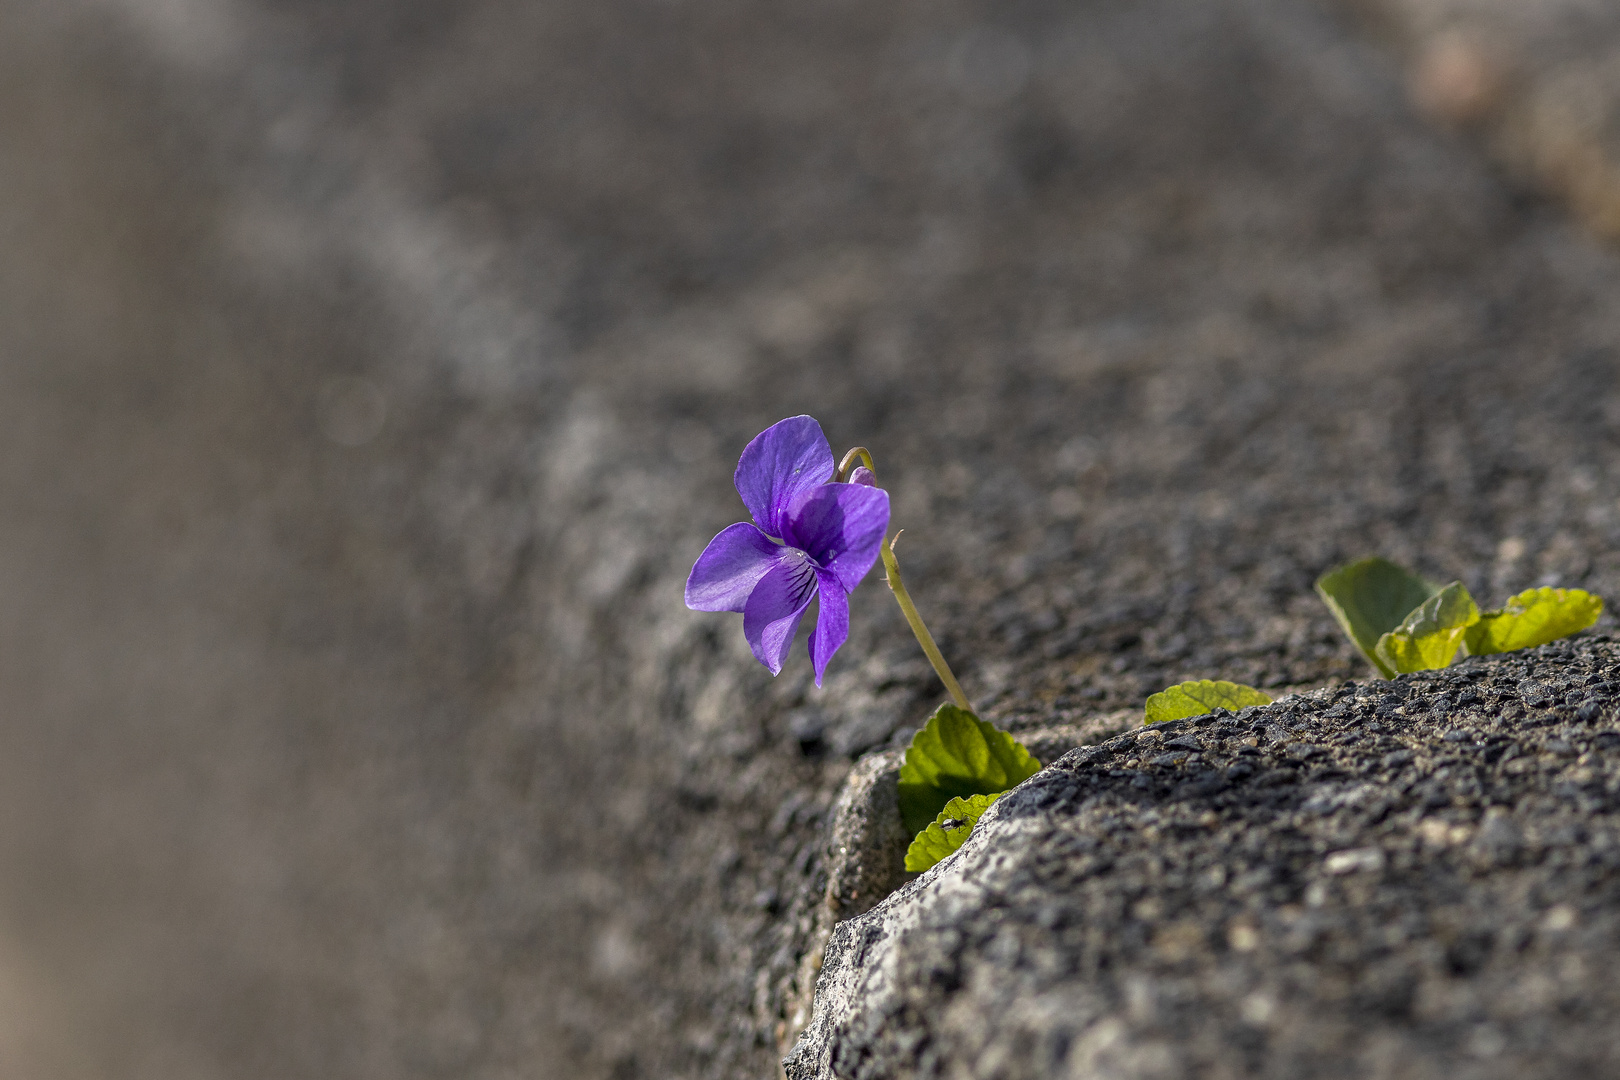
point(1342, 617)
point(958, 808)
point(1147, 709)
point(1022, 766)
point(1407, 629)
point(1471, 639)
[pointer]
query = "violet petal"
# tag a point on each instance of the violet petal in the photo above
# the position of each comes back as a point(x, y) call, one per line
point(780, 466)
point(841, 526)
point(832, 621)
point(863, 475)
point(730, 567)
point(774, 608)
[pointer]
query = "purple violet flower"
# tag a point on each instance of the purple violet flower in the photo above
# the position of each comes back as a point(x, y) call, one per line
point(809, 537)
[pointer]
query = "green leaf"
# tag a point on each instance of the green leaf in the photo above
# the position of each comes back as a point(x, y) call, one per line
point(1431, 635)
point(957, 754)
point(1197, 698)
point(1370, 598)
point(1534, 617)
point(948, 831)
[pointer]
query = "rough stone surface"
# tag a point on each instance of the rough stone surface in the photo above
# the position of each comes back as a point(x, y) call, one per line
point(1414, 879)
point(371, 372)
point(866, 855)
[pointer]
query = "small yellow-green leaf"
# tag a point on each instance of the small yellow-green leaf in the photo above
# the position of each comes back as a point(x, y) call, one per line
point(957, 754)
point(948, 831)
point(1370, 598)
point(1197, 698)
point(1429, 637)
point(1534, 617)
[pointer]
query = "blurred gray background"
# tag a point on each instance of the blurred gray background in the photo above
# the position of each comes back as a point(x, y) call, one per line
point(371, 372)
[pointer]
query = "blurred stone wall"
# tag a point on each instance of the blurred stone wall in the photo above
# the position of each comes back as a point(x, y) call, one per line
point(1537, 81)
point(371, 373)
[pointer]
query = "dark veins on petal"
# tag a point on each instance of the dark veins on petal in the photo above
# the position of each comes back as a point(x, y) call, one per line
point(804, 583)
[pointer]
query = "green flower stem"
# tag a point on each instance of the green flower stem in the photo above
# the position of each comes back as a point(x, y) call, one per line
point(891, 568)
point(846, 466)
